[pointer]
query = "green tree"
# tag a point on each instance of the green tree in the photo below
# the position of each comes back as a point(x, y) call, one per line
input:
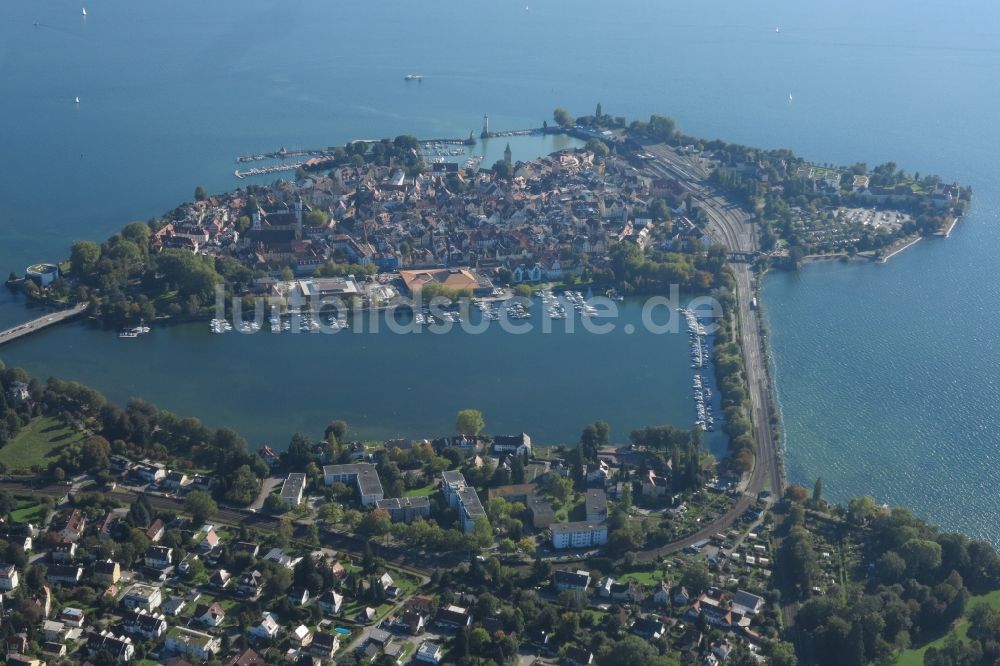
point(599, 148)
point(482, 534)
point(83, 257)
point(200, 194)
point(662, 127)
point(243, 486)
point(375, 523)
point(276, 506)
point(696, 577)
point(818, 490)
point(200, 505)
point(633, 651)
point(922, 556)
point(337, 428)
point(469, 422)
point(659, 210)
point(562, 117)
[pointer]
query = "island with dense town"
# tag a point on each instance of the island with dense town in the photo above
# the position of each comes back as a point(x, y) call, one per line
point(631, 210)
point(133, 534)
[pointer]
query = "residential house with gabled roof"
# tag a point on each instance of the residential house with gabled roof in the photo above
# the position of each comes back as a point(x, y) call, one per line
point(209, 540)
point(331, 602)
point(71, 525)
point(8, 577)
point(42, 600)
point(64, 574)
point(251, 549)
point(220, 579)
point(576, 581)
point(211, 615)
point(577, 656)
point(453, 617)
point(324, 645)
point(159, 557)
point(298, 596)
point(409, 621)
point(106, 572)
point(149, 626)
point(247, 657)
point(648, 628)
point(120, 647)
point(250, 584)
point(300, 636)
point(72, 617)
point(267, 628)
point(156, 530)
point(63, 552)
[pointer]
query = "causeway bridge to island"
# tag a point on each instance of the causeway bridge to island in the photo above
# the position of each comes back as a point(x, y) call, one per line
point(46, 320)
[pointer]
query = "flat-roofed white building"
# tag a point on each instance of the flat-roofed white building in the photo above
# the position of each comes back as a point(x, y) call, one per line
point(362, 475)
point(582, 534)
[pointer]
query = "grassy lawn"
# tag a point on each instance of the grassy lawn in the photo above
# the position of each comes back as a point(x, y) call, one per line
point(37, 443)
point(423, 491)
point(915, 657)
point(29, 513)
point(647, 578)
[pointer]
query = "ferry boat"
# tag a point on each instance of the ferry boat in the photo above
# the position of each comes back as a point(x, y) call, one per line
point(134, 331)
point(413, 77)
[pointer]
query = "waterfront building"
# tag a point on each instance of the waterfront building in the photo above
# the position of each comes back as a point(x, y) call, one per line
point(363, 475)
point(43, 274)
point(292, 488)
point(456, 279)
point(517, 444)
point(462, 498)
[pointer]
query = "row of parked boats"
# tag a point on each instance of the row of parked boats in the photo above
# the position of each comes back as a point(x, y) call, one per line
point(490, 313)
point(700, 360)
point(580, 303)
point(703, 403)
point(518, 310)
point(554, 309)
point(306, 324)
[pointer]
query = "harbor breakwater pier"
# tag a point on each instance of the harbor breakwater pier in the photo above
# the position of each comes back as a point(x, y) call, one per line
point(315, 158)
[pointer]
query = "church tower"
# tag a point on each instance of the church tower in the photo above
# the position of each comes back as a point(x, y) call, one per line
point(507, 155)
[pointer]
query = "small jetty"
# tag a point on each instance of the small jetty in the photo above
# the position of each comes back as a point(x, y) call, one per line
point(265, 170)
point(898, 250)
point(520, 132)
point(50, 319)
point(283, 153)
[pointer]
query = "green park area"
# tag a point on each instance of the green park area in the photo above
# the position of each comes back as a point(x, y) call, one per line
point(38, 443)
point(915, 656)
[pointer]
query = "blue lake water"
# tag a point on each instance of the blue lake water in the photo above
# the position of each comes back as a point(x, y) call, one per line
point(886, 374)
